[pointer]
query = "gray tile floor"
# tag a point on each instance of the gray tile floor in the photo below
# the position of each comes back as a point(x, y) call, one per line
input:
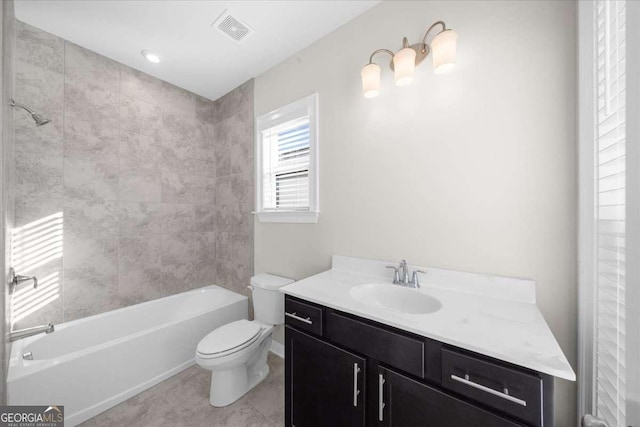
point(183, 401)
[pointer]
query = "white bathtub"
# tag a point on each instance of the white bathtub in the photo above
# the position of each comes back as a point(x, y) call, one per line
point(91, 364)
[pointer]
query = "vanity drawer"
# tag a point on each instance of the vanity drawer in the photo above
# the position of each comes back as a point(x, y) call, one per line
point(513, 392)
point(302, 315)
point(401, 351)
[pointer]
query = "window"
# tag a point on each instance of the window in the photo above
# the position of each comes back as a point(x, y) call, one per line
point(609, 211)
point(609, 203)
point(287, 175)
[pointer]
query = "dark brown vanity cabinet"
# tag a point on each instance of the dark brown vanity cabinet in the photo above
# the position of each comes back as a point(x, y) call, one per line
point(403, 401)
point(343, 370)
point(325, 384)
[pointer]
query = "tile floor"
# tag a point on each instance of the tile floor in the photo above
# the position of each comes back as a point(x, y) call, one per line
point(183, 401)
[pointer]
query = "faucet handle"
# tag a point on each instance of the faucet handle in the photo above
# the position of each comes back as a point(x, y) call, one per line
point(415, 281)
point(396, 274)
point(16, 279)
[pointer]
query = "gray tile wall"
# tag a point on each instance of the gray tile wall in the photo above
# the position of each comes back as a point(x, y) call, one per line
point(7, 42)
point(234, 188)
point(132, 164)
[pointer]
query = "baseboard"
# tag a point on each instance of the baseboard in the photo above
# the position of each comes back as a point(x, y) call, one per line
point(277, 349)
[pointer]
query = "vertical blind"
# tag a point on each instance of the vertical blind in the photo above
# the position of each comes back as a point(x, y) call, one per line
point(285, 178)
point(610, 178)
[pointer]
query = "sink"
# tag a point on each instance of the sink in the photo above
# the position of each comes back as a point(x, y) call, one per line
point(395, 298)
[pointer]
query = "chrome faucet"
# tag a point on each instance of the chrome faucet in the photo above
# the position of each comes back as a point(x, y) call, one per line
point(17, 279)
point(404, 271)
point(23, 333)
point(401, 275)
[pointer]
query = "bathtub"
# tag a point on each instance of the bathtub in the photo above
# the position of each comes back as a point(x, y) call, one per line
point(91, 364)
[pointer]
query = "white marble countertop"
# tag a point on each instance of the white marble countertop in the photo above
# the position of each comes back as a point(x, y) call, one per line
point(494, 316)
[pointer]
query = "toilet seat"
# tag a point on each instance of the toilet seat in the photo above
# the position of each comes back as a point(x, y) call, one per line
point(229, 339)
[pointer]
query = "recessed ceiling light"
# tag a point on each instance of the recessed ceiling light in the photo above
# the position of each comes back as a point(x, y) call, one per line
point(151, 56)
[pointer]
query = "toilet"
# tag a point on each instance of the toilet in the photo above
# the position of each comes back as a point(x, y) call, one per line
point(236, 353)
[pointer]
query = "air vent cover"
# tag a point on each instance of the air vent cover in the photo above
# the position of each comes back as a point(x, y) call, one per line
point(232, 27)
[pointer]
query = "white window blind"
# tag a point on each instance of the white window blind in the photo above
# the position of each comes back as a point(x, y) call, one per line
point(610, 179)
point(285, 180)
point(287, 163)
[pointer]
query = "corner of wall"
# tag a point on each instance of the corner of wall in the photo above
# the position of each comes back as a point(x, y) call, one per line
point(235, 188)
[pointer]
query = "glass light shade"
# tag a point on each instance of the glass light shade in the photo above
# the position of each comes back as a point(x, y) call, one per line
point(370, 80)
point(443, 48)
point(404, 65)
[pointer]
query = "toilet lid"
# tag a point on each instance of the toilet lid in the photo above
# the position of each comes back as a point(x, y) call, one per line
point(229, 338)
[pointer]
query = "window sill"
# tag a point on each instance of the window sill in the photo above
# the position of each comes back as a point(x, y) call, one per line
point(306, 217)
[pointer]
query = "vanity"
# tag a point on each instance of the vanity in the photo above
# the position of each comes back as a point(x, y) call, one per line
point(461, 350)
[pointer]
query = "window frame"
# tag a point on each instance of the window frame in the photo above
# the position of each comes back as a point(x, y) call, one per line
point(307, 106)
point(587, 297)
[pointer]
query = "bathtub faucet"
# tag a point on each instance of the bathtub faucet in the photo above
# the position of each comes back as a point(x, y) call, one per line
point(23, 333)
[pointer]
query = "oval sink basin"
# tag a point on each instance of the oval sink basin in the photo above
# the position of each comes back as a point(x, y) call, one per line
point(395, 298)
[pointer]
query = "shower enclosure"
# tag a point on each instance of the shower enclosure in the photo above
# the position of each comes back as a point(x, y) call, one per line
point(119, 188)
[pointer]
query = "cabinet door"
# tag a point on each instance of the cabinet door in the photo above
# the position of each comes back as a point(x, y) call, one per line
point(403, 402)
point(324, 385)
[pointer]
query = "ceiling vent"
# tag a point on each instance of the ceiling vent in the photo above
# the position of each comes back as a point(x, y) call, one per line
point(232, 27)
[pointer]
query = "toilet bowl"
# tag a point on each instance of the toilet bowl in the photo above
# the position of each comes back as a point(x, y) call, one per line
point(236, 353)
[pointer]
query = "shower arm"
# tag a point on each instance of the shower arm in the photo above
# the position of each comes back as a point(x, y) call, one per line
point(28, 110)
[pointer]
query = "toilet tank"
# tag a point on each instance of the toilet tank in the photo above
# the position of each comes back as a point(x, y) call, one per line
point(268, 301)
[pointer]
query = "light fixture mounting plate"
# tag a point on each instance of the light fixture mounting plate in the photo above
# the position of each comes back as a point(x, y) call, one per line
point(422, 51)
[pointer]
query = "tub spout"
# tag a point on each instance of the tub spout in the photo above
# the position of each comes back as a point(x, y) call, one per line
point(23, 333)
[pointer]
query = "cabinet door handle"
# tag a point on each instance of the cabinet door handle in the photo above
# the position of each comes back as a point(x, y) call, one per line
point(505, 396)
point(302, 319)
point(356, 392)
point(381, 382)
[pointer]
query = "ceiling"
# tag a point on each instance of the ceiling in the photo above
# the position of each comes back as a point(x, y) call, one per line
point(195, 55)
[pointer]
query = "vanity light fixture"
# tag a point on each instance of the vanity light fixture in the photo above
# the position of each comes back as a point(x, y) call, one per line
point(151, 56)
point(405, 61)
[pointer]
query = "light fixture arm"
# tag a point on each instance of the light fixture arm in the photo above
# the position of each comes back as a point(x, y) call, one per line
point(375, 52)
point(435, 24)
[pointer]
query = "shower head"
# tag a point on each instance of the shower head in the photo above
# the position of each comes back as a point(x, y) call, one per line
point(40, 120)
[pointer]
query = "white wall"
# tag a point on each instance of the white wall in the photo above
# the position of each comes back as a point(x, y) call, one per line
point(474, 170)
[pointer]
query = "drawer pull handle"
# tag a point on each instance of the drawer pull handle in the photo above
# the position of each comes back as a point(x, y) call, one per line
point(356, 392)
point(381, 382)
point(505, 396)
point(302, 319)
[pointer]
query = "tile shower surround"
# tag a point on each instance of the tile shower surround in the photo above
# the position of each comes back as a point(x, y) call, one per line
point(153, 202)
